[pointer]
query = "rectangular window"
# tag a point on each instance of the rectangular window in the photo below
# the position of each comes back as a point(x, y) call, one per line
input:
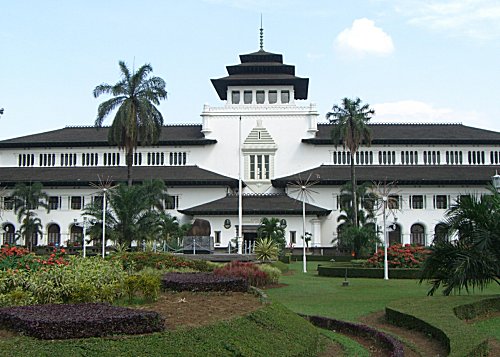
point(252, 167)
point(417, 202)
point(266, 167)
point(54, 202)
point(285, 96)
point(247, 97)
point(260, 97)
point(259, 167)
point(235, 97)
point(217, 237)
point(8, 203)
point(172, 202)
point(293, 237)
point(393, 202)
point(273, 97)
point(76, 202)
point(441, 201)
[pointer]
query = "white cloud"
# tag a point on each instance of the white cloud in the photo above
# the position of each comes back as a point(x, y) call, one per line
point(364, 38)
point(477, 19)
point(414, 111)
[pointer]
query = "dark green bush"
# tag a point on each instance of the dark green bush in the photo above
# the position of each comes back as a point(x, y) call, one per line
point(353, 272)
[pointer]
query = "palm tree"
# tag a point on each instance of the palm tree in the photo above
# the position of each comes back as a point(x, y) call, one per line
point(133, 213)
point(273, 229)
point(473, 260)
point(31, 228)
point(28, 198)
point(137, 118)
point(350, 128)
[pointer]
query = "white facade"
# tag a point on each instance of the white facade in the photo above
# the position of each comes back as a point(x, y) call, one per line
point(280, 137)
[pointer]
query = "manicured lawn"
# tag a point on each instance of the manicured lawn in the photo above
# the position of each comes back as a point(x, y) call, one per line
point(313, 295)
point(490, 327)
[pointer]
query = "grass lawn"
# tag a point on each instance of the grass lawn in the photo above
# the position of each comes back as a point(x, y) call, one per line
point(325, 296)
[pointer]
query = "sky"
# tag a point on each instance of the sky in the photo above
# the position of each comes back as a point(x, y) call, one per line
point(415, 61)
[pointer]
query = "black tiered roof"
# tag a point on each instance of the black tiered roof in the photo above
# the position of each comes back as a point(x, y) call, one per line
point(261, 68)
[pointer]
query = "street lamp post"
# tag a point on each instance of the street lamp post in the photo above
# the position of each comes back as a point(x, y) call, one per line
point(386, 263)
point(104, 222)
point(85, 224)
point(304, 262)
point(495, 180)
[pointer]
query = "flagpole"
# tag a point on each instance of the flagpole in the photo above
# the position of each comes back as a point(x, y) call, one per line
point(240, 206)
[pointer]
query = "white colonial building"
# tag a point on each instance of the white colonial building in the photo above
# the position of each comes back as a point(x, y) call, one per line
point(263, 122)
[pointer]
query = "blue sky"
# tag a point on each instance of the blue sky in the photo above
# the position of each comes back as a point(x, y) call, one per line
point(413, 61)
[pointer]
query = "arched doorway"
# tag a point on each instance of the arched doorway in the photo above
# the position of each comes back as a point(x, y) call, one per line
point(417, 234)
point(9, 237)
point(440, 234)
point(54, 236)
point(395, 235)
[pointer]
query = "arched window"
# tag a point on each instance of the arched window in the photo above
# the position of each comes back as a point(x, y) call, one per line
point(417, 234)
point(75, 235)
point(54, 237)
point(440, 233)
point(9, 237)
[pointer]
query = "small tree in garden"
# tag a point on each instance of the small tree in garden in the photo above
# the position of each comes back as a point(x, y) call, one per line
point(272, 228)
point(266, 249)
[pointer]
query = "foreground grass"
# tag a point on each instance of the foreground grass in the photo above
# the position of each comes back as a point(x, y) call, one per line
point(272, 331)
point(313, 295)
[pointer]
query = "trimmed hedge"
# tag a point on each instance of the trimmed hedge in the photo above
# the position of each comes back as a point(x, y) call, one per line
point(387, 342)
point(439, 316)
point(354, 272)
point(203, 282)
point(64, 321)
point(273, 331)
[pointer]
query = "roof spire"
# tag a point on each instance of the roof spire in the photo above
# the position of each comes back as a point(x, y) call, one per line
point(261, 34)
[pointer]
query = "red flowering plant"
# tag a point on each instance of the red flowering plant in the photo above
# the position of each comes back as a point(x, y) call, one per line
point(249, 271)
point(22, 259)
point(400, 256)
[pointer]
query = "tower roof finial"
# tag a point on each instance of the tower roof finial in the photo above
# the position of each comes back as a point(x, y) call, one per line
point(261, 34)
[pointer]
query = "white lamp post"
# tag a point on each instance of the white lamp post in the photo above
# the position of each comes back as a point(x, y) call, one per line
point(104, 222)
point(386, 263)
point(85, 223)
point(495, 180)
point(304, 262)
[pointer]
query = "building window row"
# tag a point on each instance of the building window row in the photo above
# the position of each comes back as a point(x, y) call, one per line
point(68, 159)
point(172, 202)
point(90, 159)
point(494, 157)
point(111, 159)
point(387, 157)
point(156, 158)
point(260, 96)
point(432, 157)
point(26, 160)
point(409, 157)
point(47, 160)
point(476, 157)
point(178, 158)
point(454, 157)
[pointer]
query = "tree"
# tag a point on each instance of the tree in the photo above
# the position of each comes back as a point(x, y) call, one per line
point(360, 238)
point(350, 127)
point(137, 118)
point(28, 198)
point(473, 260)
point(272, 228)
point(133, 212)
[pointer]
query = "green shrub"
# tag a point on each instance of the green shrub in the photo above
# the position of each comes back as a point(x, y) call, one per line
point(17, 297)
point(266, 249)
point(283, 267)
point(147, 282)
point(137, 261)
point(358, 262)
point(272, 272)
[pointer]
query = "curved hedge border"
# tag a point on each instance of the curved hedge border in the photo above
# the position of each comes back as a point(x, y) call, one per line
point(202, 282)
point(354, 272)
point(442, 318)
point(388, 342)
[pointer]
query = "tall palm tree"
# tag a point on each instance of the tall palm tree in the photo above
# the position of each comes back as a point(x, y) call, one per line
point(31, 228)
point(473, 260)
point(350, 127)
point(28, 198)
point(137, 119)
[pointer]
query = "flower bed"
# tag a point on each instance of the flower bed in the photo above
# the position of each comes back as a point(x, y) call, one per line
point(400, 256)
point(248, 271)
point(203, 282)
point(55, 321)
